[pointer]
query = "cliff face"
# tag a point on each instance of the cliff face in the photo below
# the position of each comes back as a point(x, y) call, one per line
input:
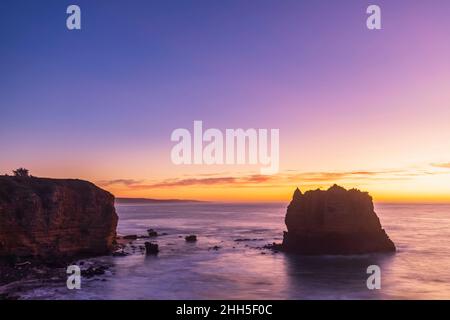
point(52, 217)
point(335, 221)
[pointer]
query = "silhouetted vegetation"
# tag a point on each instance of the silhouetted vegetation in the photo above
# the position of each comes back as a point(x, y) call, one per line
point(21, 172)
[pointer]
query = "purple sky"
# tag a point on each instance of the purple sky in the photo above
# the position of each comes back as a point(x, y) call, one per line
point(101, 103)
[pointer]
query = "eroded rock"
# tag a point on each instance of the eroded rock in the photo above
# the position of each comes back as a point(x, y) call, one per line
point(335, 221)
point(191, 238)
point(151, 248)
point(52, 218)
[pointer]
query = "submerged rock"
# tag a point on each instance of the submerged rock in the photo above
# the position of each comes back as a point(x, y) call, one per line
point(152, 233)
point(130, 237)
point(54, 218)
point(335, 221)
point(151, 248)
point(191, 238)
point(92, 271)
point(119, 253)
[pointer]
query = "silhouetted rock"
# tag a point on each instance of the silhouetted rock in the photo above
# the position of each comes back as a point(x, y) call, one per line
point(53, 218)
point(152, 233)
point(92, 271)
point(130, 237)
point(191, 238)
point(273, 246)
point(247, 239)
point(151, 248)
point(335, 221)
point(119, 253)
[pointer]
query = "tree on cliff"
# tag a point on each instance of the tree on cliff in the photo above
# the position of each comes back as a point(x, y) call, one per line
point(21, 172)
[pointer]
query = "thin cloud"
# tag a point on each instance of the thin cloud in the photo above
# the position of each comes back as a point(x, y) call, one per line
point(282, 179)
point(441, 165)
point(250, 180)
point(194, 181)
point(227, 180)
point(126, 182)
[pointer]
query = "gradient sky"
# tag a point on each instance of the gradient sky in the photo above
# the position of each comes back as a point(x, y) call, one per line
point(366, 109)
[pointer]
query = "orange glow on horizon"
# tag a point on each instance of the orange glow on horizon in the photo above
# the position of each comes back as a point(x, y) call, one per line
point(283, 193)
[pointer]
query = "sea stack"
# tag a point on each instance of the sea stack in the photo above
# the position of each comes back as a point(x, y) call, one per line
point(336, 221)
point(53, 218)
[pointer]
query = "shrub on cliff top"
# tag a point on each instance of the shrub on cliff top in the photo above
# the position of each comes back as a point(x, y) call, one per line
point(21, 172)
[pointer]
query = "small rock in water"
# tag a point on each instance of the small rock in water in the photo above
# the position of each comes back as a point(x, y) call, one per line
point(215, 248)
point(151, 248)
point(91, 271)
point(191, 238)
point(130, 237)
point(152, 233)
point(273, 246)
point(119, 253)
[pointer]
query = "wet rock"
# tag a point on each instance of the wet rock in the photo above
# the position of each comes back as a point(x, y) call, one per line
point(335, 221)
point(151, 248)
point(215, 248)
point(92, 271)
point(119, 253)
point(152, 233)
point(191, 238)
point(130, 237)
point(273, 246)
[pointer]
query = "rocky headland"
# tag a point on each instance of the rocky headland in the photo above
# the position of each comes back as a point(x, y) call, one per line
point(48, 218)
point(335, 221)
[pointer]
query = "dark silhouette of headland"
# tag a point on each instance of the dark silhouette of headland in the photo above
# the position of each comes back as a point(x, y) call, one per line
point(54, 218)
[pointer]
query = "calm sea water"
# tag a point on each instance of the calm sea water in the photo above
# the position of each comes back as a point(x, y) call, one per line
point(242, 270)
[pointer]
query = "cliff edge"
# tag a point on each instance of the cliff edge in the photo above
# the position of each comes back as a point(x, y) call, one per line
point(335, 221)
point(49, 218)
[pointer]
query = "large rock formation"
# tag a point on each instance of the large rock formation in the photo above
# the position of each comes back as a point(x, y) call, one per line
point(335, 221)
point(50, 218)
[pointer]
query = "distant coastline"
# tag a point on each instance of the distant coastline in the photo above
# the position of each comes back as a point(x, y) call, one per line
point(147, 200)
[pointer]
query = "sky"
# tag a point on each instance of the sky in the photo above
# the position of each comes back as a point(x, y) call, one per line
point(362, 108)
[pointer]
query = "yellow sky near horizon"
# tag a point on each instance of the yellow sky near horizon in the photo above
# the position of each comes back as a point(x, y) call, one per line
point(427, 184)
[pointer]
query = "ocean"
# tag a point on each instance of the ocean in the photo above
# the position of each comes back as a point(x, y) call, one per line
point(239, 268)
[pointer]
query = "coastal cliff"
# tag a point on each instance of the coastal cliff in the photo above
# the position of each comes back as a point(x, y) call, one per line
point(335, 221)
point(50, 218)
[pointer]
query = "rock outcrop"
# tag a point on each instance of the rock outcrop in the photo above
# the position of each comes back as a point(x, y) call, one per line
point(335, 221)
point(50, 218)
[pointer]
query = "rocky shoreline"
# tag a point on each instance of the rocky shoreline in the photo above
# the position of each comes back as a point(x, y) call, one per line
point(49, 224)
